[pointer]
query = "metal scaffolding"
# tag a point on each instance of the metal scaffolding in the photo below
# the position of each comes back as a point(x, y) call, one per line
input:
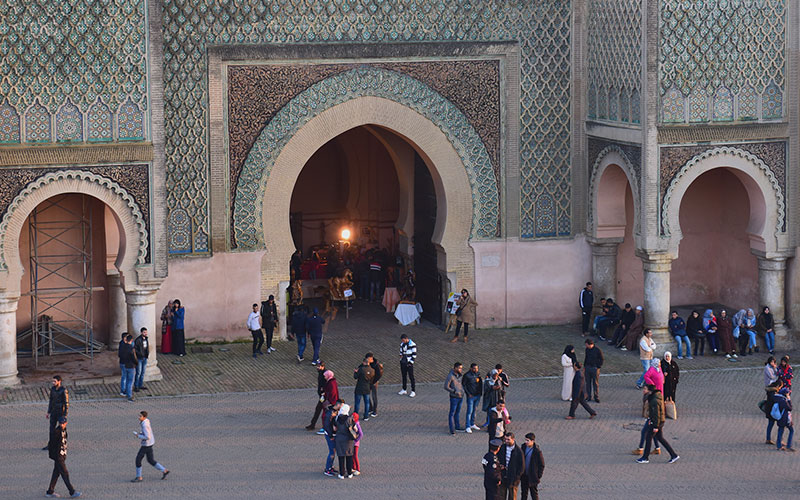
point(61, 279)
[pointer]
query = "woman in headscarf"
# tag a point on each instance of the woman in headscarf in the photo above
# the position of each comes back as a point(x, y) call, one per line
point(166, 329)
point(765, 325)
point(567, 360)
point(696, 331)
point(725, 332)
point(770, 371)
point(710, 326)
point(635, 331)
point(653, 376)
point(749, 326)
point(785, 373)
point(738, 331)
point(345, 441)
point(671, 375)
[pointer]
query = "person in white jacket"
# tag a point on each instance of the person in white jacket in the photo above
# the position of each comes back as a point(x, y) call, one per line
point(145, 433)
point(567, 360)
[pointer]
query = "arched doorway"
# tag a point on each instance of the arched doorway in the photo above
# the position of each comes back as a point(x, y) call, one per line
point(715, 263)
point(374, 184)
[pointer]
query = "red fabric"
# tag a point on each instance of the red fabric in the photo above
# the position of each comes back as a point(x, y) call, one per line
point(166, 341)
point(356, 465)
point(331, 391)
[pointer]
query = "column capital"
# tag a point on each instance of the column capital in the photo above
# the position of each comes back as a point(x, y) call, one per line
point(604, 246)
point(9, 304)
point(656, 263)
point(141, 296)
point(772, 264)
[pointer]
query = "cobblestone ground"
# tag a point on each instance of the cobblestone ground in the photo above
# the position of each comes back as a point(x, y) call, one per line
point(524, 352)
point(253, 445)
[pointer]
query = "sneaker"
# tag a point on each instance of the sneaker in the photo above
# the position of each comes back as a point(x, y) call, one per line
point(638, 451)
point(789, 449)
point(340, 476)
point(674, 459)
point(476, 427)
point(271, 349)
point(468, 430)
point(76, 494)
point(366, 418)
point(328, 473)
point(356, 472)
point(602, 338)
point(122, 394)
point(350, 476)
point(131, 400)
point(299, 359)
point(689, 357)
point(728, 356)
point(623, 348)
point(164, 474)
point(314, 363)
point(680, 357)
point(642, 461)
point(372, 414)
point(769, 442)
point(52, 495)
point(412, 394)
point(321, 432)
point(735, 356)
point(402, 392)
point(137, 479)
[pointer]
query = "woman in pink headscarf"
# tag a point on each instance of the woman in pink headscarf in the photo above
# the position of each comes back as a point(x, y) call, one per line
point(654, 375)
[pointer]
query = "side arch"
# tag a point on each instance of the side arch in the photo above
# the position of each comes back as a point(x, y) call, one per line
point(388, 86)
point(609, 156)
point(133, 228)
point(767, 203)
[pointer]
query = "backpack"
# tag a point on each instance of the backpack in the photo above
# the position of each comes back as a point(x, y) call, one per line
point(776, 412)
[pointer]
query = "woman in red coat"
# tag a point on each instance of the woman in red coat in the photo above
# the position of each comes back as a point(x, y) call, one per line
point(331, 390)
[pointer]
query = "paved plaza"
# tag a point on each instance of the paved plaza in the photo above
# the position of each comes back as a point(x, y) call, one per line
point(253, 445)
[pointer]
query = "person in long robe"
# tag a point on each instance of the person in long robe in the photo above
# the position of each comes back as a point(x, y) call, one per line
point(635, 331)
point(725, 332)
point(567, 360)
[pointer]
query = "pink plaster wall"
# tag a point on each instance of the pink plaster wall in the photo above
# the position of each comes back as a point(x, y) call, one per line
point(714, 262)
point(630, 274)
point(217, 292)
point(525, 283)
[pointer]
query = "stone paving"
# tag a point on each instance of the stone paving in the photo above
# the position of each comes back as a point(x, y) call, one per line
point(524, 352)
point(252, 445)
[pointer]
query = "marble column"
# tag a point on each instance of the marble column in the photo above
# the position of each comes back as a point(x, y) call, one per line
point(117, 311)
point(142, 313)
point(8, 341)
point(657, 300)
point(604, 268)
point(771, 293)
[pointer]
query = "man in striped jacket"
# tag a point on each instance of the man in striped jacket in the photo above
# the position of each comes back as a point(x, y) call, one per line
point(408, 354)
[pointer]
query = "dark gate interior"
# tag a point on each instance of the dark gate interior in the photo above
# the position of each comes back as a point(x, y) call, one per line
point(429, 282)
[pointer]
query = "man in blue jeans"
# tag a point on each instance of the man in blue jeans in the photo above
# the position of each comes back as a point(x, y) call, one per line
point(141, 347)
point(473, 389)
point(128, 360)
point(363, 375)
point(453, 385)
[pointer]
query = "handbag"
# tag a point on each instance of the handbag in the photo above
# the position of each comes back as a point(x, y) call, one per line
point(762, 405)
point(645, 409)
point(670, 410)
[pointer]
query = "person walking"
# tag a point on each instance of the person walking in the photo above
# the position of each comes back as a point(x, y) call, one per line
point(671, 372)
point(269, 318)
point(585, 302)
point(654, 375)
point(455, 388)
point(345, 441)
point(592, 362)
point(567, 360)
point(579, 394)
point(298, 323)
point(178, 333)
point(58, 405)
point(57, 450)
point(141, 346)
point(408, 355)
point(363, 375)
point(677, 327)
point(373, 386)
point(473, 390)
point(534, 467)
point(465, 314)
point(492, 470)
point(511, 459)
point(166, 329)
point(646, 349)
point(145, 434)
point(655, 434)
point(322, 397)
point(129, 361)
point(314, 327)
point(254, 325)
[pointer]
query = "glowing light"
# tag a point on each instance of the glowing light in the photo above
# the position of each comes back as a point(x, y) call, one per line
point(345, 234)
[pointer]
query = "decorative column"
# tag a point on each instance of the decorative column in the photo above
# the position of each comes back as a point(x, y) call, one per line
point(771, 293)
point(142, 313)
point(656, 299)
point(8, 341)
point(281, 300)
point(118, 312)
point(604, 268)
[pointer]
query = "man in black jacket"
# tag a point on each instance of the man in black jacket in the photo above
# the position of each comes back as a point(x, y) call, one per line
point(127, 357)
point(363, 375)
point(321, 397)
point(534, 467)
point(610, 318)
point(579, 394)
point(626, 320)
point(142, 348)
point(585, 301)
point(373, 400)
point(269, 318)
point(510, 457)
point(314, 328)
point(59, 403)
point(492, 470)
point(592, 363)
point(473, 390)
point(57, 447)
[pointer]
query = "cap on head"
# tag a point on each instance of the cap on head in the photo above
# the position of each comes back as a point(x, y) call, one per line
point(638, 308)
point(496, 443)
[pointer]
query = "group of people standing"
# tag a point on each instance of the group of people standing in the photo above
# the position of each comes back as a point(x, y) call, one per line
point(260, 320)
point(133, 355)
point(777, 406)
point(173, 337)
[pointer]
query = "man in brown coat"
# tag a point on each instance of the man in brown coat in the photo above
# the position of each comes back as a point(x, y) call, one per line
point(465, 314)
